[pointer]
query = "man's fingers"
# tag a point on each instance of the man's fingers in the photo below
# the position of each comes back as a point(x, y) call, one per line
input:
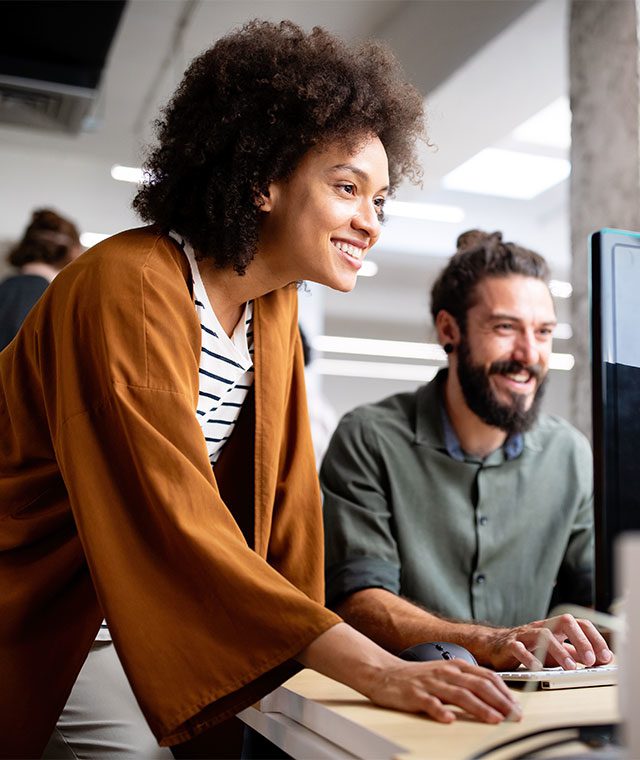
point(552, 650)
point(520, 652)
point(566, 626)
point(590, 646)
point(602, 652)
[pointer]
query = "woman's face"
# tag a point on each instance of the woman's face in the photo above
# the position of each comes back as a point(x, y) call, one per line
point(321, 222)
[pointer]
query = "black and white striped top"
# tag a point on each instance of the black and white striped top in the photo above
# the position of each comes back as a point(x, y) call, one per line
point(226, 365)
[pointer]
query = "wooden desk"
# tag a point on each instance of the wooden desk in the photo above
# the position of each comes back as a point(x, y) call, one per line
point(312, 716)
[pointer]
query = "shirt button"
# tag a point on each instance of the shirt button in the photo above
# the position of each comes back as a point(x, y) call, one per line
point(480, 578)
point(483, 520)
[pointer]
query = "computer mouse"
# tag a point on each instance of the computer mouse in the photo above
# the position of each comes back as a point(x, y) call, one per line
point(437, 650)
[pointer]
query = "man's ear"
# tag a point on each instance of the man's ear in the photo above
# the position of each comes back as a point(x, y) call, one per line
point(448, 329)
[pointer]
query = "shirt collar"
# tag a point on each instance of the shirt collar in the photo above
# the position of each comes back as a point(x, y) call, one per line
point(434, 428)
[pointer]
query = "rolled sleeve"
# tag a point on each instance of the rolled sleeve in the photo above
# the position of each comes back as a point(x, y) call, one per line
point(359, 573)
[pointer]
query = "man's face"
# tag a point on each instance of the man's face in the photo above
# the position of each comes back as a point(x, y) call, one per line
point(503, 354)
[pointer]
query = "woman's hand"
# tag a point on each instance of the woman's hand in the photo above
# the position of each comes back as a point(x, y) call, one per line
point(429, 687)
point(344, 654)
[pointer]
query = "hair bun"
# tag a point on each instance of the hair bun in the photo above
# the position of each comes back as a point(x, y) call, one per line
point(475, 238)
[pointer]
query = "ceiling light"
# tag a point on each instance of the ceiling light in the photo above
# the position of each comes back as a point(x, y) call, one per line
point(561, 361)
point(87, 239)
point(127, 173)
point(507, 174)
point(368, 269)
point(377, 370)
point(337, 344)
point(560, 288)
point(399, 349)
point(432, 212)
point(550, 127)
point(563, 331)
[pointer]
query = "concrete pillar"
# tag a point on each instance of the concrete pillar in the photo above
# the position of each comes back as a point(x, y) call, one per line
point(605, 160)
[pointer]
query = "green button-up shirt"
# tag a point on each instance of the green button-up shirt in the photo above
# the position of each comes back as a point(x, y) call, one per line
point(473, 540)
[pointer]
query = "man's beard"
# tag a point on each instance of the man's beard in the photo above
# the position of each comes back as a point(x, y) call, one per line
point(481, 399)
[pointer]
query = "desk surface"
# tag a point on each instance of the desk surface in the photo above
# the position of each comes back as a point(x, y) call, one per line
point(313, 716)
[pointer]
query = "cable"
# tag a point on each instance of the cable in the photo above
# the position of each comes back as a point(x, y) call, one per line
point(542, 747)
point(597, 735)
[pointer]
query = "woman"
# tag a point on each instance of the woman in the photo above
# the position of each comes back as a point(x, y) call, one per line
point(49, 243)
point(274, 159)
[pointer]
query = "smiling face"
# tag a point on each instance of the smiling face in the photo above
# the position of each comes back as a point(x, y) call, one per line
point(321, 222)
point(502, 358)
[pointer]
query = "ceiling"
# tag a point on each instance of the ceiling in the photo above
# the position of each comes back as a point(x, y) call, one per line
point(478, 63)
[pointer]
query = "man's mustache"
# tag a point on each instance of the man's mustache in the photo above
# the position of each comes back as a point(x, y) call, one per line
point(513, 367)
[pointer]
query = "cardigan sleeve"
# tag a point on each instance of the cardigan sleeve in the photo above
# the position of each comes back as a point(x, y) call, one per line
point(298, 553)
point(202, 624)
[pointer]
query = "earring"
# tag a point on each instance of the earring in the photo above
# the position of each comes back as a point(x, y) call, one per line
point(448, 348)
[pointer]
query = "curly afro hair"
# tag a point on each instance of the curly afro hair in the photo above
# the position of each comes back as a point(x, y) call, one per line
point(246, 112)
point(479, 255)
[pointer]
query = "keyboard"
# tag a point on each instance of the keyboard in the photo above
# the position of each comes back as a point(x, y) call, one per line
point(557, 678)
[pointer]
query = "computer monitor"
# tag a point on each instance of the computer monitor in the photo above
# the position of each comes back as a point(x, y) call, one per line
point(615, 334)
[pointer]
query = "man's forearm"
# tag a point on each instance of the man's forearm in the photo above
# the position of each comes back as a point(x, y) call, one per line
point(395, 623)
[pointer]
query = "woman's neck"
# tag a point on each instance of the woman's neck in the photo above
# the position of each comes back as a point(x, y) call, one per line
point(228, 291)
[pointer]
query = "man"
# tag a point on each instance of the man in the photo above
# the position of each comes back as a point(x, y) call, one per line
point(460, 502)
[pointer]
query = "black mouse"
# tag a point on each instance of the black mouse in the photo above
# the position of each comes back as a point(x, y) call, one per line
point(437, 650)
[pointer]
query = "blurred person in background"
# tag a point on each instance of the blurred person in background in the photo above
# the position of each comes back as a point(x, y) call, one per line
point(49, 243)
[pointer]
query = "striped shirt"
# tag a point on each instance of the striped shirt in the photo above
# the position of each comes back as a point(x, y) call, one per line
point(226, 364)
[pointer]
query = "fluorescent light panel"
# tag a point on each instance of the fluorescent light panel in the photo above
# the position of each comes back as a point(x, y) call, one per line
point(414, 372)
point(563, 331)
point(92, 238)
point(368, 269)
point(549, 127)
point(560, 288)
point(507, 174)
point(398, 349)
point(127, 173)
point(375, 370)
point(561, 361)
point(432, 212)
point(336, 344)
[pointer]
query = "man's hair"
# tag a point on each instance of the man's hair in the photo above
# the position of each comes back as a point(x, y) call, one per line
point(479, 255)
point(246, 112)
point(49, 237)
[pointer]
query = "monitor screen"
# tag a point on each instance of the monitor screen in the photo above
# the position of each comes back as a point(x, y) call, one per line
point(615, 334)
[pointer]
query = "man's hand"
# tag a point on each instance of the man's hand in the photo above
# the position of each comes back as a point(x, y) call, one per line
point(567, 641)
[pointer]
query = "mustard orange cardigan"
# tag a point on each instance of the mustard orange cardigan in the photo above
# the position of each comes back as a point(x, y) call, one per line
point(109, 505)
